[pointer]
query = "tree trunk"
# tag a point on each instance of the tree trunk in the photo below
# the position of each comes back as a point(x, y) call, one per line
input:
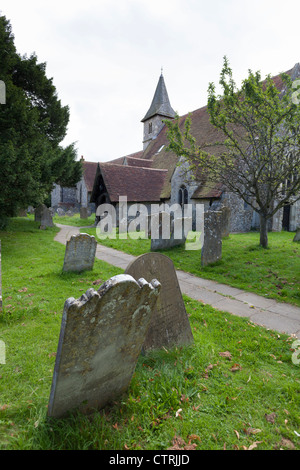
point(263, 231)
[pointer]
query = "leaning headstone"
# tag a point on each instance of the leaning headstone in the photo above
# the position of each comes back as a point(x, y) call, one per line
point(212, 245)
point(84, 212)
point(0, 282)
point(297, 235)
point(80, 253)
point(169, 325)
point(167, 231)
point(100, 341)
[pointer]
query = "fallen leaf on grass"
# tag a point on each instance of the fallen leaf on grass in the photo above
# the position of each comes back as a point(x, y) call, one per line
point(177, 442)
point(194, 437)
point(209, 367)
point(226, 354)
point(3, 407)
point(252, 446)
point(235, 368)
point(287, 443)
point(271, 417)
point(180, 444)
point(252, 431)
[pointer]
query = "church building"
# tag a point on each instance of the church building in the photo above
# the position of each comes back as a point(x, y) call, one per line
point(154, 175)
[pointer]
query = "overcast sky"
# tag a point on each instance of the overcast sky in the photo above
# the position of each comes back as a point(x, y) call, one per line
point(105, 56)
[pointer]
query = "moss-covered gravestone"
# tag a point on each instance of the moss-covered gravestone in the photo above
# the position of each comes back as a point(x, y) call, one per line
point(101, 338)
point(80, 253)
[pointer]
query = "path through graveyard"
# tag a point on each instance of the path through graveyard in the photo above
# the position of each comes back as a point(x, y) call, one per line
point(282, 317)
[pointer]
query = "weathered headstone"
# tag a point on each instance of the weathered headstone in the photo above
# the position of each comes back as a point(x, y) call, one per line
point(169, 325)
point(167, 231)
point(38, 212)
point(212, 246)
point(100, 341)
point(297, 235)
point(225, 221)
point(80, 253)
point(84, 212)
point(46, 220)
point(0, 281)
point(43, 215)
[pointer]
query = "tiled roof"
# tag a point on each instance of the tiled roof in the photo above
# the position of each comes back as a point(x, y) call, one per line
point(139, 184)
point(121, 160)
point(89, 172)
point(133, 161)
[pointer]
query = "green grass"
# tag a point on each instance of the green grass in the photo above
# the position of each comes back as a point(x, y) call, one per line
point(184, 397)
point(75, 220)
point(272, 273)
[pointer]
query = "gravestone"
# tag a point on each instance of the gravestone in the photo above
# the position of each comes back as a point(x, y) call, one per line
point(225, 221)
point(100, 341)
point(84, 212)
point(212, 245)
point(38, 212)
point(297, 235)
point(60, 212)
point(80, 253)
point(169, 325)
point(46, 219)
point(0, 282)
point(43, 215)
point(166, 231)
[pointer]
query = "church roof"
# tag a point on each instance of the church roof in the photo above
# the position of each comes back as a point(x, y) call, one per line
point(89, 171)
point(139, 184)
point(160, 103)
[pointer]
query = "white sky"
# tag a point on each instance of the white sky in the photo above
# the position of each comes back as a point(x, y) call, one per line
point(105, 56)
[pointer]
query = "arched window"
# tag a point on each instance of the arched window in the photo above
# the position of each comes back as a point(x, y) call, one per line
point(150, 128)
point(183, 196)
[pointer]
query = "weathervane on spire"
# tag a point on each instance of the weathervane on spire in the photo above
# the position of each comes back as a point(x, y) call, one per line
point(161, 70)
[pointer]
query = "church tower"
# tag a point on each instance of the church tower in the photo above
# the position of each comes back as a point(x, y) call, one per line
point(160, 109)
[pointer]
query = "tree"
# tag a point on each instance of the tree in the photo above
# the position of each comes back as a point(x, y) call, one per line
point(33, 124)
point(258, 154)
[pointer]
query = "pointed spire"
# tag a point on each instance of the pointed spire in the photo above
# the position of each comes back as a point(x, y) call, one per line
point(160, 103)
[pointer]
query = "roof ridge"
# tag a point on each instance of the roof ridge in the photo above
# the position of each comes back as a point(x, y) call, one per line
point(132, 167)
